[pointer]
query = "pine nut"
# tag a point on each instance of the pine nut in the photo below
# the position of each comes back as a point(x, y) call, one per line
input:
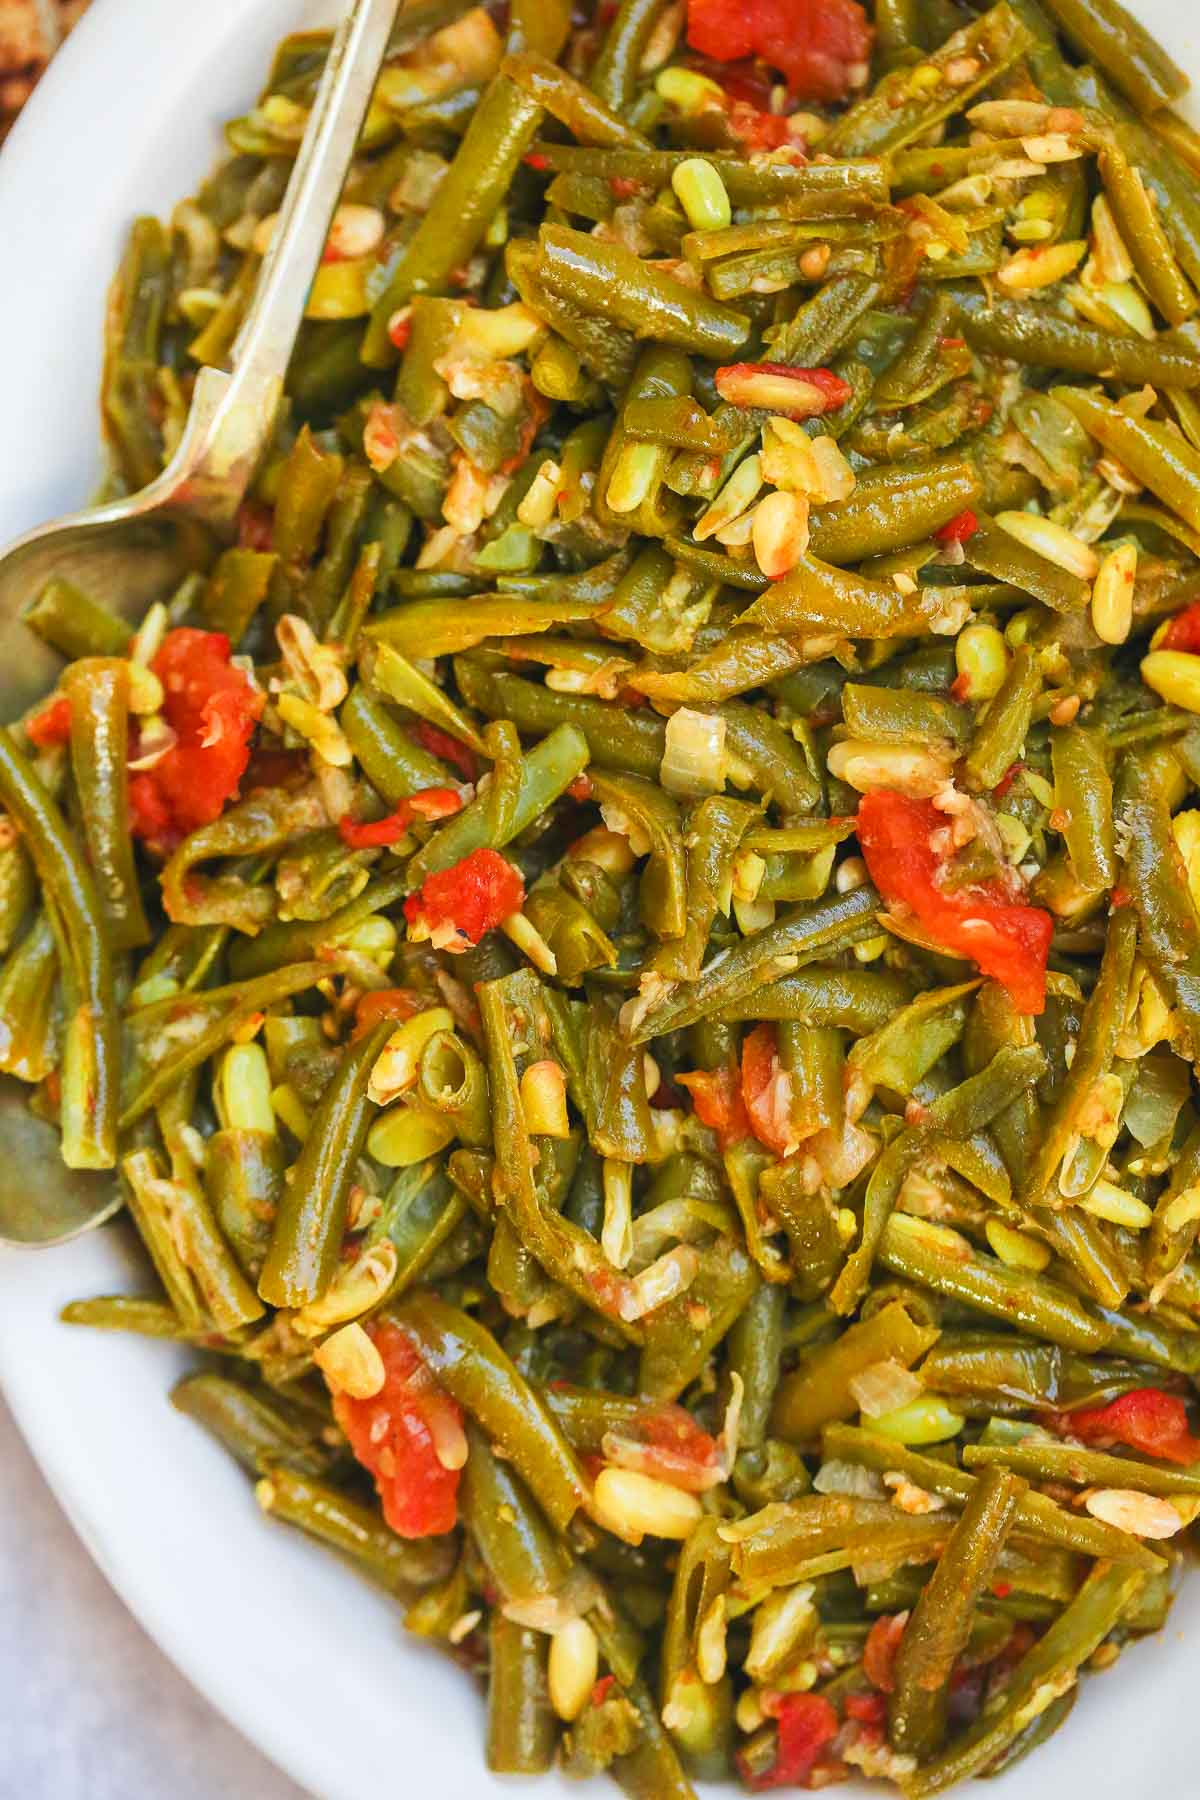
point(544, 1100)
point(1112, 595)
point(350, 1363)
point(1174, 676)
point(780, 533)
point(572, 1667)
point(633, 1506)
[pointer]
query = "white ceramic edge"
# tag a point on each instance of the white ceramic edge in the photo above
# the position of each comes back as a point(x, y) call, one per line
point(1110, 1749)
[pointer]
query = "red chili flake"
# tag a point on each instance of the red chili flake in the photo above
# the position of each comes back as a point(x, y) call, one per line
point(52, 725)
point(399, 328)
point(1002, 1589)
point(952, 343)
point(960, 688)
point(397, 1434)
point(1120, 896)
point(601, 1690)
point(624, 187)
point(467, 900)
point(255, 526)
point(957, 530)
point(1183, 631)
point(580, 789)
point(534, 159)
point(440, 744)
point(212, 708)
point(430, 803)
point(1006, 780)
point(820, 45)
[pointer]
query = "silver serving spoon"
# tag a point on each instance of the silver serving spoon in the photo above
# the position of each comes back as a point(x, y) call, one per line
point(124, 552)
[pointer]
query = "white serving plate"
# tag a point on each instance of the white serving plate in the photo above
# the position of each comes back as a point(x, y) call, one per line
point(306, 1660)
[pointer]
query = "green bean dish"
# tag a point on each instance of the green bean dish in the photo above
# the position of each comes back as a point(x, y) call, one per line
point(634, 943)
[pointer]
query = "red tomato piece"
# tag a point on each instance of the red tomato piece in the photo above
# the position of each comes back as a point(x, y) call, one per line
point(779, 388)
point(1149, 1420)
point(957, 530)
point(430, 803)
point(866, 1709)
point(213, 710)
point(52, 725)
point(441, 744)
point(717, 1102)
point(1006, 938)
point(1183, 631)
point(821, 46)
point(765, 1091)
point(879, 1651)
point(467, 900)
point(807, 1723)
point(387, 1003)
point(397, 1435)
point(580, 789)
point(666, 1443)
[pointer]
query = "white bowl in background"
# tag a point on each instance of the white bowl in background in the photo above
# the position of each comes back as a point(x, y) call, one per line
point(311, 1664)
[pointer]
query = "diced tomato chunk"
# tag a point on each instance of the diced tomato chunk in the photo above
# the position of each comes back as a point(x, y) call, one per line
point(52, 725)
point(807, 1723)
point(865, 1709)
point(430, 803)
point(1183, 631)
point(1148, 1420)
point(440, 743)
point(821, 46)
point(665, 1442)
point(467, 901)
point(957, 530)
point(405, 1435)
point(879, 1651)
point(213, 710)
point(717, 1102)
point(1006, 938)
point(766, 1091)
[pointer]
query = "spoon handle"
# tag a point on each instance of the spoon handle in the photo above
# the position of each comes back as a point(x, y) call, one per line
point(264, 344)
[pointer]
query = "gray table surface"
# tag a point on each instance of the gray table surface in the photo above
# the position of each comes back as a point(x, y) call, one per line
point(90, 1709)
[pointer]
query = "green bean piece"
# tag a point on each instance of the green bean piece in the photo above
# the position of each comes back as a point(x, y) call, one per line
point(815, 597)
point(994, 552)
point(901, 108)
point(819, 1391)
point(526, 1559)
point(610, 280)
point(546, 772)
point(130, 399)
point(1045, 1672)
point(1038, 1516)
point(1169, 930)
point(615, 71)
point(500, 132)
point(28, 1022)
point(892, 508)
point(1000, 737)
point(255, 1429)
point(587, 116)
point(356, 1531)
point(1107, 34)
point(90, 1054)
point(943, 1260)
point(73, 623)
point(307, 1234)
point(521, 1728)
point(1161, 459)
point(1085, 1468)
point(937, 1632)
point(470, 1364)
